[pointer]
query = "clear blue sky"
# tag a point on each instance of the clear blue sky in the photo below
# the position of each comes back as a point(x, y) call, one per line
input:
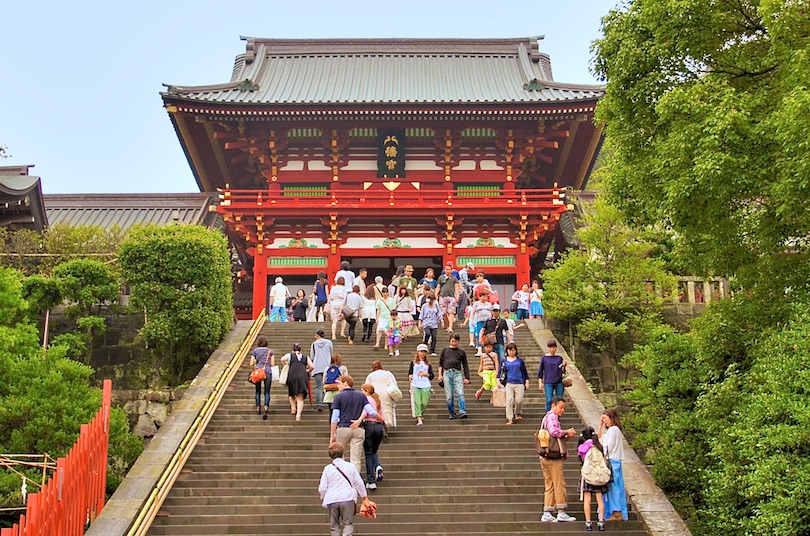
point(79, 93)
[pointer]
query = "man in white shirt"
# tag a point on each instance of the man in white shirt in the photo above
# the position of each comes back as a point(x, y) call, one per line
point(346, 274)
point(339, 488)
point(278, 300)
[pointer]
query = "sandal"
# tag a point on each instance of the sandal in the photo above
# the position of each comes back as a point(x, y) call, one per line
point(518, 417)
point(478, 394)
point(509, 422)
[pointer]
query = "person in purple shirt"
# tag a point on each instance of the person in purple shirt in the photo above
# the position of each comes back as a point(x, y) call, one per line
point(549, 374)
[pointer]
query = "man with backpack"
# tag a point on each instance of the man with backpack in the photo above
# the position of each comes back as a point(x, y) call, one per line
point(321, 354)
point(552, 465)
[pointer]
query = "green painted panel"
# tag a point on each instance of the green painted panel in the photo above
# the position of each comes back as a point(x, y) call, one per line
point(488, 261)
point(295, 262)
point(478, 133)
point(304, 190)
point(478, 190)
point(304, 133)
point(363, 133)
point(419, 133)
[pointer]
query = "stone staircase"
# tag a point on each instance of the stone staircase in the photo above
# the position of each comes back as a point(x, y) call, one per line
point(461, 477)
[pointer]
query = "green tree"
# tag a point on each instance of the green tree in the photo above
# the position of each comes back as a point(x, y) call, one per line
point(87, 284)
point(612, 290)
point(706, 114)
point(761, 448)
point(35, 253)
point(45, 397)
point(180, 276)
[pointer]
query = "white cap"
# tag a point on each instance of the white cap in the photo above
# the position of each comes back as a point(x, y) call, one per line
point(422, 348)
point(279, 280)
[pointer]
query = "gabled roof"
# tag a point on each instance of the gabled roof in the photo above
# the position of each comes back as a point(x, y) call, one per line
point(347, 71)
point(126, 210)
point(21, 203)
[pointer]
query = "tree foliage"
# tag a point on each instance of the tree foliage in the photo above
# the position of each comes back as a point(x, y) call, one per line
point(44, 396)
point(180, 275)
point(722, 414)
point(706, 114)
point(34, 253)
point(613, 288)
point(86, 283)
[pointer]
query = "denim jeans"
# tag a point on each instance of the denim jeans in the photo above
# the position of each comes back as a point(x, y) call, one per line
point(454, 383)
point(279, 313)
point(499, 350)
point(266, 383)
point(552, 390)
point(478, 327)
point(318, 389)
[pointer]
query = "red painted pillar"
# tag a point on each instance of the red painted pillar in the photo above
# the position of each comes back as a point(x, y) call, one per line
point(523, 266)
point(259, 282)
point(332, 265)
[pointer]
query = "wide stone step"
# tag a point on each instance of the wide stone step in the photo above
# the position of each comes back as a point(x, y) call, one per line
point(383, 527)
point(449, 477)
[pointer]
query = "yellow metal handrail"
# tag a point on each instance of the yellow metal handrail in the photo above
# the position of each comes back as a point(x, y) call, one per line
point(172, 471)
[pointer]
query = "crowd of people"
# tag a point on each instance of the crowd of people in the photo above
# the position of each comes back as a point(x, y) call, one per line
point(405, 307)
point(361, 415)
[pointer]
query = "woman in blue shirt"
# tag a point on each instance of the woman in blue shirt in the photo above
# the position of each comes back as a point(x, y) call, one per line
point(516, 383)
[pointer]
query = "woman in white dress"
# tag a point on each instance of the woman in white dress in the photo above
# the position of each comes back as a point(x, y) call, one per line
point(337, 297)
point(381, 379)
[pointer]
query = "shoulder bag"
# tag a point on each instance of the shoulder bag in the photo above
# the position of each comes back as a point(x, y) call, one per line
point(348, 312)
point(394, 391)
point(554, 448)
point(282, 378)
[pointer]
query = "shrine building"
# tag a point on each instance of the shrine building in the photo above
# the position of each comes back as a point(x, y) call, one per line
point(385, 152)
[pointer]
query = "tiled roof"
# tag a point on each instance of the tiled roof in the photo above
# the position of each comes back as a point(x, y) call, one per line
point(345, 71)
point(126, 210)
point(21, 199)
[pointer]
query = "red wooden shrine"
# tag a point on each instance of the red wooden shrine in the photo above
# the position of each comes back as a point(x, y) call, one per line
point(299, 145)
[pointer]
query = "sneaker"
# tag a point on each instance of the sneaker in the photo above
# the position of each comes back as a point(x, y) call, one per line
point(548, 518)
point(463, 416)
point(562, 516)
point(452, 416)
point(433, 353)
point(588, 526)
point(371, 485)
point(378, 472)
point(601, 525)
point(396, 353)
point(391, 354)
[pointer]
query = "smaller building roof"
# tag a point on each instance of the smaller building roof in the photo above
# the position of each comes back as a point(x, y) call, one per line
point(388, 71)
point(126, 210)
point(21, 204)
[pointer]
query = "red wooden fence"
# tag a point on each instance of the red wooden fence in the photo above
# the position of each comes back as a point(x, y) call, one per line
point(74, 495)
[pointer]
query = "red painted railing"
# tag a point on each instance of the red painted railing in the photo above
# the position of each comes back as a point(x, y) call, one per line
point(74, 496)
point(405, 197)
